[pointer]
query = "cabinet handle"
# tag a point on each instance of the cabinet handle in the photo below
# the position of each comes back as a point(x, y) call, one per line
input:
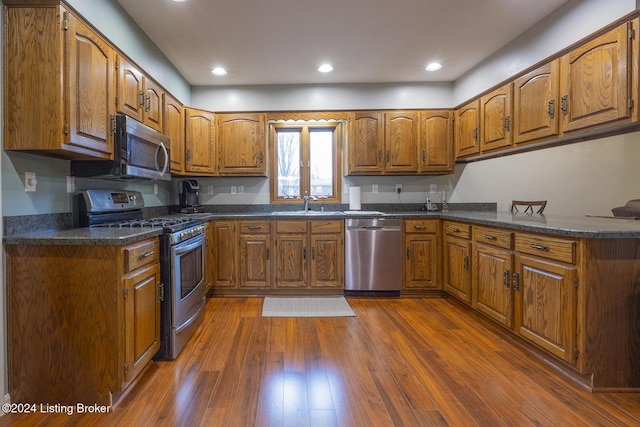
point(489, 237)
point(141, 99)
point(313, 253)
point(564, 104)
point(146, 254)
point(408, 253)
point(267, 253)
point(188, 155)
point(421, 227)
point(388, 156)
point(540, 247)
point(475, 134)
point(254, 227)
point(424, 155)
point(551, 109)
point(507, 123)
point(379, 155)
point(454, 229)
point(304, 253)
point(516, 282)
point(466, 262)
point(147, 106)
point(261, 157)
point(160, 291)
point(507, 277)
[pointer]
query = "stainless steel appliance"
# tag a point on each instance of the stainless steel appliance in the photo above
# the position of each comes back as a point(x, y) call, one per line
point(182, 251)
point(189, 196)
point(373, 256)
point(140, 152)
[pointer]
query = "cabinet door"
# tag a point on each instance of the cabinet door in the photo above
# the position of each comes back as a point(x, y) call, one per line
point(173, 122)
point(291, 260)
point(436, 152)
point(546, 305)
point(91, 80)
point(130, 97)
point(402, 133)
point(536, 103)
point(420, 266)
point(241, 144)
point(152, 104)
point(366, 145)
point(491, 294)
point(327, 257)
point(224, 261)
point(495, 114)
point(457, 267)
point(142, 318)
point(200, 142)
point(255, 262)
point(595, 81)
point(467, 129)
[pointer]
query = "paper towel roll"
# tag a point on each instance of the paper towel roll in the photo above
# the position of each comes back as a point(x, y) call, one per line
point(354, 198)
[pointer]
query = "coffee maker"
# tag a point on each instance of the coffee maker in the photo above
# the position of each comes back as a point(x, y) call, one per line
point(189, 197)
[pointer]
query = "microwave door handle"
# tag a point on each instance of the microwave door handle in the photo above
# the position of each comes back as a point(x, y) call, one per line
point(166, 159)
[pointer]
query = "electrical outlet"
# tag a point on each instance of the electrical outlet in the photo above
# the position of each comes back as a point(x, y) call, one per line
point(433, 188)
point(240, 189)
point(374, 188)
point(209, 189)
point(234, 189)
point(71, 184)
point(398, 188)
point(30, 182)
point(155, 189)
point(345, 189)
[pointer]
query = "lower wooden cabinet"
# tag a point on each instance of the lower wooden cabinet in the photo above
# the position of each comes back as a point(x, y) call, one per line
point(327, 254)
point(222, 243)
point(457, 260)
point(255, 254)
point(422, 255)
point(83, 321)
point(492, 294)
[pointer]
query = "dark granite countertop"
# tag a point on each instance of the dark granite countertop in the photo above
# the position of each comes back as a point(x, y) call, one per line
point(84, 236)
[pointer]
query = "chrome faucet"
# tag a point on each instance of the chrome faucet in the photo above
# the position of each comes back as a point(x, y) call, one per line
point(307, 199)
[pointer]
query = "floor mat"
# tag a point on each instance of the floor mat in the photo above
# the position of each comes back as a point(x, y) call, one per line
point(306, 307)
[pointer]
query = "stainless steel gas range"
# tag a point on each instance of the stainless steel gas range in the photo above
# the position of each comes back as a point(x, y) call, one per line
point(182, 248)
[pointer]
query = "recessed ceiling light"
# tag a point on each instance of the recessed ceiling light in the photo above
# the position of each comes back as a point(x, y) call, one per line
point(179, 1)
point(434, 66)
point(325, 68)
point(219, 71)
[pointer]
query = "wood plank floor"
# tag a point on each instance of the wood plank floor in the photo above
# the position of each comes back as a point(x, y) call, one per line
point(399, 362)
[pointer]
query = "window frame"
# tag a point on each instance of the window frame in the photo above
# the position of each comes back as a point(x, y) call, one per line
point(305, 128)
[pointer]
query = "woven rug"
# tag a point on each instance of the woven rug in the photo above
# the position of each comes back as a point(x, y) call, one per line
point(306, 307)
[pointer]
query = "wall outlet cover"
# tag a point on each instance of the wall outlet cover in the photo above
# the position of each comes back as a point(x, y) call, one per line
point(240, 189)
point(398, 188)
point(234, 189)
point(433, 188)
point(71, 184)
point(30, 182)
point(374, 188)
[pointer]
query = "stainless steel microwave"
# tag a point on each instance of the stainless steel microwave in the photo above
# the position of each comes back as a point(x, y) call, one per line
point(140, 152)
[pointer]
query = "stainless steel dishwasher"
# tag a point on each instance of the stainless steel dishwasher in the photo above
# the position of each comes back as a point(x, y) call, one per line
point(373, 256)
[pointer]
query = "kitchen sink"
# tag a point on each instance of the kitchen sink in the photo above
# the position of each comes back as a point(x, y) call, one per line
point(306, 213)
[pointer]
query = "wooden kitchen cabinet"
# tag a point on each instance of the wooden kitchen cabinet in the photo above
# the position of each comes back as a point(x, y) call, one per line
point(173, 127)
point(200, 148)
point(595, 81)
point(242, 146)
point(492, 269)
point(92, 312)
point(457, 260)
point(366, 147)
point(59, 90)
point(402, 139)
point(292, 250)
point(495, 117)
point(223, 247)
point(467, 130)
point(536, 99)
point(138, 96)
point(436, 141)
point(255, 254)
point(327, 254)
point(422, 255)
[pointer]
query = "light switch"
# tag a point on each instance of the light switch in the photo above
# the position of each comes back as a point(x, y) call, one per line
point(30, 182)
point(71, 184)
point(240, 189)
point(234, 189)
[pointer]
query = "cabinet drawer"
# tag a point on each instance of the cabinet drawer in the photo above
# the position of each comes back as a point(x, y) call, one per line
point(320, 226)
point(291, 226)
point(141, 253)
point(547, 247)
point(457, 229)
point(421, 226)
point(493, 236)
point(254, 227)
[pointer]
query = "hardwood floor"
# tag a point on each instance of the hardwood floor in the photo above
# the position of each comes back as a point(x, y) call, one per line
point(399, 362)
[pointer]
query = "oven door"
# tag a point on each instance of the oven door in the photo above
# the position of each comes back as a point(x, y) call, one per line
point(187, 279)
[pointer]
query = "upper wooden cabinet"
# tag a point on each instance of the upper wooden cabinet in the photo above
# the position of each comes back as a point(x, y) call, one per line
point(200, 158)
point(366, 145)
point(467, 129)
point(59, 82)
point(595, 81)
point(138, 96)
point(436, 149)
point(242, 146)
point(495, 117)
point(536, 103)
point(173, 127)
point(402, 139)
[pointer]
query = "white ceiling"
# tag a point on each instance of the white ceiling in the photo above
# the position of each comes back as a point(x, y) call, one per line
point(367, 41)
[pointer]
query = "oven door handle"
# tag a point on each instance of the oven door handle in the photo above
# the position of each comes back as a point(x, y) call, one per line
point(189, 244)
point(166, 159)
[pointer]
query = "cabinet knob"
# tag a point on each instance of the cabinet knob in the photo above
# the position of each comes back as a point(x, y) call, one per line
point(551, 109)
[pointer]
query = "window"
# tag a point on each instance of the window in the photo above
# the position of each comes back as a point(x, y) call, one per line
point(306, 161)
